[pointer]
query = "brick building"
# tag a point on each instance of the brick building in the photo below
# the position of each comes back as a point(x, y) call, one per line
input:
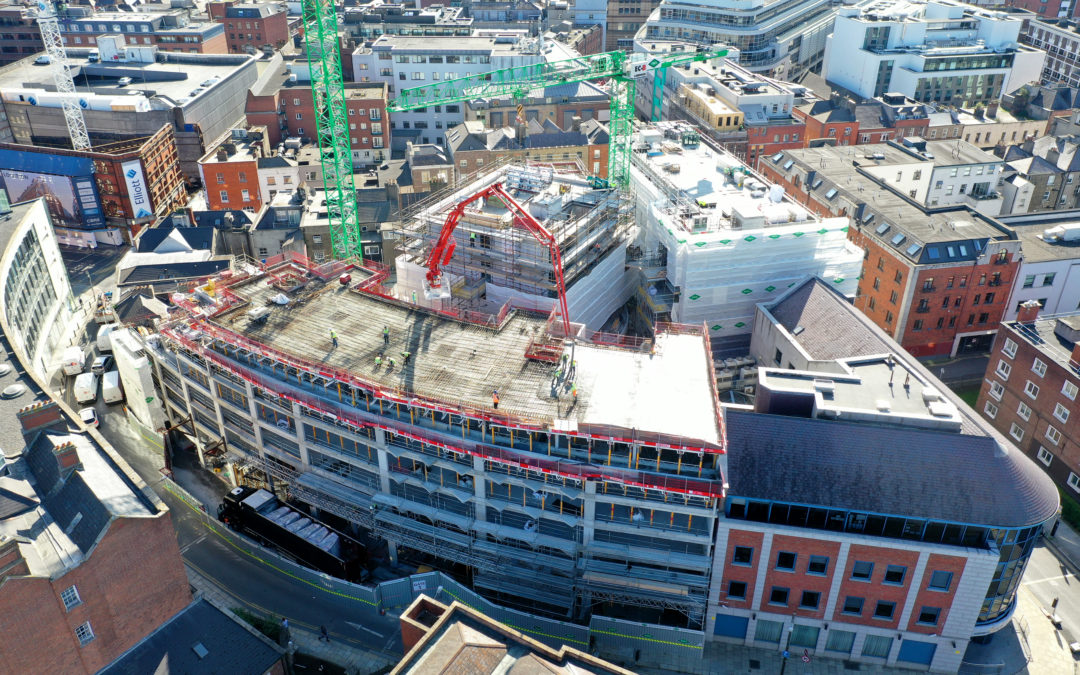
point(472, 146)
point(284, 106)
point(853, 572)
point(937, 273)
point(19, 33)
point(1030, 391)
point(230, 170)
point(251, 27)
point(828, 123)
point(171, 31)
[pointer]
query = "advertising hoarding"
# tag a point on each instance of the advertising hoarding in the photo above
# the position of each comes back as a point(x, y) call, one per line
point(66, 183)
point(136, 187)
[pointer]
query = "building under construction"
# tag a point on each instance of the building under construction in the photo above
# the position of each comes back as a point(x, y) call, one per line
point(496, 259)
point(486, 441)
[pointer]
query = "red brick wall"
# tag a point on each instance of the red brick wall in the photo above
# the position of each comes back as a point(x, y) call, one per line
point(798, 580)
point(297, 100)
point(272, 30)
point(132, 582)
point(881, 298)
point(875, 590)
point(236, 177)
point(746, 574)
point(929, 598)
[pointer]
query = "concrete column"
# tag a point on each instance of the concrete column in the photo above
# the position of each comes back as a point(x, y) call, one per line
point(588, 513)
point(762, 568)
point(837, 578)
point(479, 477)
point(384, 472)
point(914, 584)
point(391, 549)
point(716, 581)
point(191, 415)
point(299, 434)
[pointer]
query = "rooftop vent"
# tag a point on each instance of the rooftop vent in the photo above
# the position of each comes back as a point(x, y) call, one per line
point(882, 405)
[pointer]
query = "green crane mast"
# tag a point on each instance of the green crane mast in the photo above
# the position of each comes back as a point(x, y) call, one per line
point(331, 125)
point(621, 68)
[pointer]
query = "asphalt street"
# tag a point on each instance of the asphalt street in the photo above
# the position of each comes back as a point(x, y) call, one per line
point(1047, 578)
point(251, 581)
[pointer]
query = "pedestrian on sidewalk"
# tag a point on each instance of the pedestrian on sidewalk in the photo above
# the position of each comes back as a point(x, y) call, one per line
point(333, 336)
point(323, 635)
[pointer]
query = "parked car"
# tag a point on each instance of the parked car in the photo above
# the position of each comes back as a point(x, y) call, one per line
point(124, 81)
point(89, 417)
point(101, 364)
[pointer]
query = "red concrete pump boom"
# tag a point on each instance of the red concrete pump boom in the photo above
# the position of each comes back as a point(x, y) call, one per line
point(444, 247)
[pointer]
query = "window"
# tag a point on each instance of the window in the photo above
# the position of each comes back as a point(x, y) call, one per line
point(299, 116)
point(1003, 370)
point(1038, 367)
point(1074, 482)
point(996, 390)
point(70, 597)
point(884, 610)
point(1061, 412)
point(928, 616)
point(894, 574)
point(984, 317)
point(1031, 389)
point(1024, 411)
point(940, 581)
point(736, 590)
point(223, 196)
point(840, 641)
point(1009, 349)
point(1048, 279)
point(917, 326)
point(810, 600)
point(899, 277)
point(1045, 456)
point(263, 252)
point(299, 131)
point(893, 297)
point(1070, 390)
point(242, 176)
point(877, 646)
point(785, 560)
point(862, 570)
point(1053, 435)
point(888, 317)
point(778, 596)
point(245, 196)
point(743, 555)
point(1016, 431)
point(852, 605)
point(85, 633)
point(990, 409)
point(989, 299)
point(221, 179)
point(818, 565)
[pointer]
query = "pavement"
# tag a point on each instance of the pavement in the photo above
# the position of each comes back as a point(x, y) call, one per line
point(960, 371)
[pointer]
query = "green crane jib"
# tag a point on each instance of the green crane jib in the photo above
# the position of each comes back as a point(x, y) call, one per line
point(331, 125)
point(621, 68)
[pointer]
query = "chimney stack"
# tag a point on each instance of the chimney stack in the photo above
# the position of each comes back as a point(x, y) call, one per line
point(1075, 360)
point(39, 415)
point(575, 123)
point(1029, 312)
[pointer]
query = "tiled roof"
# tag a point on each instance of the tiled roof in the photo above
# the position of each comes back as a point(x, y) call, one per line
point(829, 330)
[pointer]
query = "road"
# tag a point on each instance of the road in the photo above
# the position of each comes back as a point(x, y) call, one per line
point(1048, 578)
point(250, 581)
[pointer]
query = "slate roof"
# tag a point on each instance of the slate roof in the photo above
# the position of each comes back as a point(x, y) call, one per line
point(230, 648)
point(275, 162)
point(829, 331)
point(143, 274)
point(886, 470)
point(12, 504)
point(138, 307)
point(198, 238)
point(217, 218)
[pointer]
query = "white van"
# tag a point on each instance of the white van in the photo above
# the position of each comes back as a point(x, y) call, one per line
point(86, 388)
point(111, 390)
point(72, 363)
point(94, 56)
point(104, 341)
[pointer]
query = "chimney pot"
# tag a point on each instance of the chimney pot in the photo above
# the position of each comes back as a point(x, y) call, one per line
point(1029, 312)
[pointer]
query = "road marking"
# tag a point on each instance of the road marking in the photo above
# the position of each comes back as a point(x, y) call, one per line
point(365, 628)
point(197, 541)
point(1039, 581)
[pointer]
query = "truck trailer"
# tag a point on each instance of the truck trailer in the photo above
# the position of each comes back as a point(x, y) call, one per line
point(264, 517)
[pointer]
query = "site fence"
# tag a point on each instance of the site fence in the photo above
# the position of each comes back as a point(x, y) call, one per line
point(614, 637)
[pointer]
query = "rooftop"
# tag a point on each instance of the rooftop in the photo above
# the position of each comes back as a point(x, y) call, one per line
point(178, 78)
point(882, 211)
point(1054, 336)
point(200, 639)
point(462, 363)
point(1038, 248)
point(446, 44)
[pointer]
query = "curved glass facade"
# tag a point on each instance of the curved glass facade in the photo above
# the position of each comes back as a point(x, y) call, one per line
point(1015, 546)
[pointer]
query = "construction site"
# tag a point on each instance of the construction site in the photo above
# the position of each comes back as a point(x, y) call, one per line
point(493, 445)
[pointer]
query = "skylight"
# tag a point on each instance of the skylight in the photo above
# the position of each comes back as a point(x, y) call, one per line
point(898, 239)
point(831, 193)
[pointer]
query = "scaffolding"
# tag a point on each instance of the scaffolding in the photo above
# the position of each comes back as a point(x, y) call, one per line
point(493, 248)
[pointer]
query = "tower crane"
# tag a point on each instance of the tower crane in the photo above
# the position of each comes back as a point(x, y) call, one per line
point(331, 125)
point(61, 72)
point(620, 68)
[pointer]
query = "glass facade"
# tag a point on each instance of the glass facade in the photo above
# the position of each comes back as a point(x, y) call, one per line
point(28, 291)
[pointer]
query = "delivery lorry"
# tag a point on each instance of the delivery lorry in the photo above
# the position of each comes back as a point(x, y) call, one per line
point(86, 388)
point(104, 340)
point(111, 390)
point(264, 517)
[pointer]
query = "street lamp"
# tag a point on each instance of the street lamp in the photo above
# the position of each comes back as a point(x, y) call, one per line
point(786, 654)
